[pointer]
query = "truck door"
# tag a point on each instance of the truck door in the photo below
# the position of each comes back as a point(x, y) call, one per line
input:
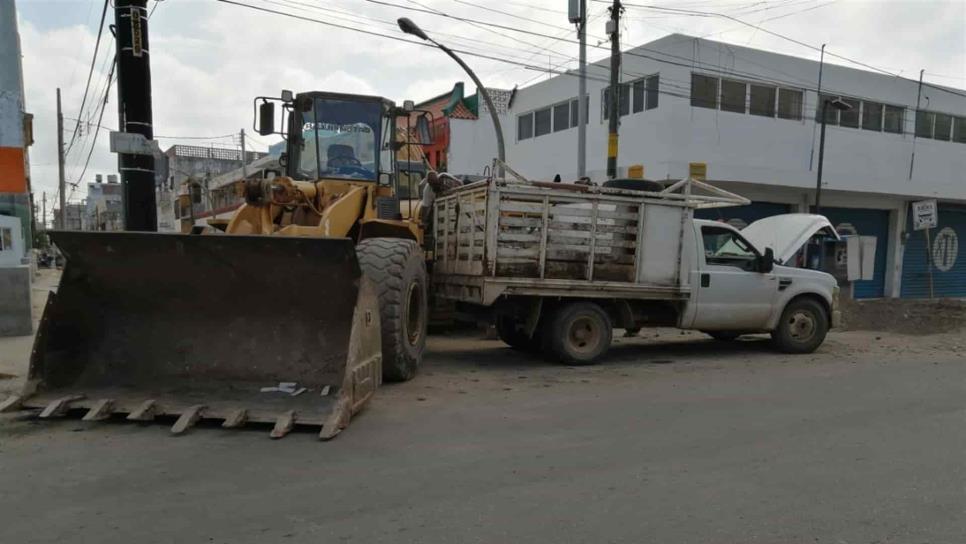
point(731, 293)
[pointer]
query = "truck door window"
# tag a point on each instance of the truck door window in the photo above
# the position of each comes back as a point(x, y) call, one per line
point(725, 247)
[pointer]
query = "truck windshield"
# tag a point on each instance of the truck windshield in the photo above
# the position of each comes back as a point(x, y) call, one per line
point(340, 140)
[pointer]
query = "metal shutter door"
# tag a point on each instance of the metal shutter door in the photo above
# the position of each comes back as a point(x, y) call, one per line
point(945, 258)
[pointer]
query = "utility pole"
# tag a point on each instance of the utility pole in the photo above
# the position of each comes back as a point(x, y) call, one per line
point(821, 66)
point(578, 16)
point(61, 219)
point(614, 29)
point(43, 216)
point(134, 112)
point(243, 157)
point(915, 125)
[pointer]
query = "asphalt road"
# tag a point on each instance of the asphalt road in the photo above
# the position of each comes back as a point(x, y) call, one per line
point(669, 441)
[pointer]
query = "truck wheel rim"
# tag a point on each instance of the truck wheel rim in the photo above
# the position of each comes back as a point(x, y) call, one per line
point(414, 314)
point(801, 326)
point(584, 335)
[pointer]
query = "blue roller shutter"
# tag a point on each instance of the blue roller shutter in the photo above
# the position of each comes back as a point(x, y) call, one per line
point(865, 222)
point(742, 216)
point(946, 258)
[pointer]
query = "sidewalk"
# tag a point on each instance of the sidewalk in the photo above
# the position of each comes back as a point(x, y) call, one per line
point(15, 350)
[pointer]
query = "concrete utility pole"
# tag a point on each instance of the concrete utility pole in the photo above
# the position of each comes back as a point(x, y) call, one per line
point(614, 29)
point(915, 125)
point(61, 219)
point(243, 157)
point(44, 214)
point(578, 16)
point(134, 112)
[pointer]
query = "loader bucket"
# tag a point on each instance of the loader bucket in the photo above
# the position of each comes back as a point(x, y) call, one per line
point(194, 326)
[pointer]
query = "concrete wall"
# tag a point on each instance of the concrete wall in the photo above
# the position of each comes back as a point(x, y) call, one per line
point(14, 192)
point(477, 144)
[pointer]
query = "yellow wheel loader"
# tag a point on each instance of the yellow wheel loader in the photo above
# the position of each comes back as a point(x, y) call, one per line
point(314, 293)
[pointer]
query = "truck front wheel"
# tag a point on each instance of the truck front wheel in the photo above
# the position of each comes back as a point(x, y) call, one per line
point(578, 333)
point(802, 327)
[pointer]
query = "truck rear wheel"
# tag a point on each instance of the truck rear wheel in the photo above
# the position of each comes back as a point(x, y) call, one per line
point(578, 333)
point(801, 328)
point(397, 268)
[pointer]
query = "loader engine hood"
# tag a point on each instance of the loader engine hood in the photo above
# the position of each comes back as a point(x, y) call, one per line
point(786, 233)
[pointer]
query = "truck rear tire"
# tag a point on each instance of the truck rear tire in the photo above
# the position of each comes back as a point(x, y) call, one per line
point(801, 328)
point(508, 331)
point(397, 268)
point(578, 333)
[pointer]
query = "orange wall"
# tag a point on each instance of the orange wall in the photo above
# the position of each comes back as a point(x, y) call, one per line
point(13, 177)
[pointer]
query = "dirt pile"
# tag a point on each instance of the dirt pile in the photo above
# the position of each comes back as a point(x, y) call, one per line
point(905, 316)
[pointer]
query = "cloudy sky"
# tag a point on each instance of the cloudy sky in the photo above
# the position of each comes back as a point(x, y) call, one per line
point(209, 59)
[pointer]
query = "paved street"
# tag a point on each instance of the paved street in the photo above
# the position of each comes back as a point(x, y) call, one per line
point(674, 439)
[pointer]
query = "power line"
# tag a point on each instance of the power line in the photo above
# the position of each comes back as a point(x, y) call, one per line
point(697, 13)
point(90, 73)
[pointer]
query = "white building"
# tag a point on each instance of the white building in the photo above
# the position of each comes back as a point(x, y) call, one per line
point(751, 115)
point(104, 205)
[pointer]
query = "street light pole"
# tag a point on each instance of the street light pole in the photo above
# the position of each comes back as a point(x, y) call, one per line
point(409, 27)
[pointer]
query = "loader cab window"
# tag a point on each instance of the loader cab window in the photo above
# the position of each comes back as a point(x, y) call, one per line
point(723, 246)
point(340, 139)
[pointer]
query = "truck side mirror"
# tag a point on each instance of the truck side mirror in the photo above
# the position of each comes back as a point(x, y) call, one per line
point(766, 263)
point(266, 118)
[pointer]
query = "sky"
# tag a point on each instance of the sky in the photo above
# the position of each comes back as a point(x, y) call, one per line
point(209, 59)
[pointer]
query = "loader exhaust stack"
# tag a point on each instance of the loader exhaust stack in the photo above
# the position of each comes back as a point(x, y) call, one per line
point(147, 324)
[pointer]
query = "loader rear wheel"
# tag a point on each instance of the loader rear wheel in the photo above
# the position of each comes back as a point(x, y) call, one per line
point(397, 268)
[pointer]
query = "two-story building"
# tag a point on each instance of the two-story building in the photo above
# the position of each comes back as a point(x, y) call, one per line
point(753, 117)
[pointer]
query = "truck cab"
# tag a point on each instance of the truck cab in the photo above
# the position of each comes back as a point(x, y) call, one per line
point(741, 284)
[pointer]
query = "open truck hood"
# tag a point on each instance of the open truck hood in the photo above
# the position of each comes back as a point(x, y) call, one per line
point(786, 233)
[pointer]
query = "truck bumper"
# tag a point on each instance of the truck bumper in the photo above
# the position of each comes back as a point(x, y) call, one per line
point(836, 312)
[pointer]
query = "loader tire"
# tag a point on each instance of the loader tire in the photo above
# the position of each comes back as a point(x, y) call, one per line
point(397, 268)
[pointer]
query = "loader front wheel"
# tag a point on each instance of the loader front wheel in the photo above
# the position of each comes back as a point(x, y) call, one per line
point(397, 268)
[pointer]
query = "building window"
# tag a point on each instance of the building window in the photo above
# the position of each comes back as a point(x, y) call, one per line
point(959, 130)
point(892, 121)
point(638, 96)
point(790, 104)
point(6, 239)
point(762, 100)
point(561, 116)
point(871, 115)
point(924, 122)
point(541, 122)
point(574, 113)
point(943, 125)
point(733, 96)
point(704, 91)
point(652, 85)
point(624, 99)
point(850, 118)
point(525, 126)
point(831, 114)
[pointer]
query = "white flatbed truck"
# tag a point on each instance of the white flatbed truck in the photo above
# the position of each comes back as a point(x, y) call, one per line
point(561, 265)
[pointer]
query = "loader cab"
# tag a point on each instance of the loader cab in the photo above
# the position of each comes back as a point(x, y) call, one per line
point(339, 136)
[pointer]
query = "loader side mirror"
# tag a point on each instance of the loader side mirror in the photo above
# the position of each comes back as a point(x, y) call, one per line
point(266, 118)
point(766, 263)
point(424, 132)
